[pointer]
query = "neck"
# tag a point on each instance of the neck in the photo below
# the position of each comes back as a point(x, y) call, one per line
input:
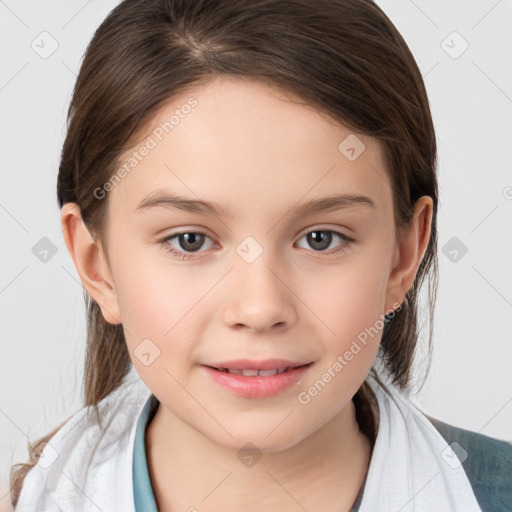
point(324, 471)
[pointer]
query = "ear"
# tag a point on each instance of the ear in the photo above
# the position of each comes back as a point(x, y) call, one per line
point(90, 262)
point(409, 252)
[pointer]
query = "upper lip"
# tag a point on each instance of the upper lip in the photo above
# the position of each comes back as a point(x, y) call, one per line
point(260, 364)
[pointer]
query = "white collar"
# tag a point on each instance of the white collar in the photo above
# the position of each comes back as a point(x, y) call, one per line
point(409, 471)
point(86, 469)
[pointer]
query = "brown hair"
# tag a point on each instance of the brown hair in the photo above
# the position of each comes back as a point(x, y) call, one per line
point(344, 57)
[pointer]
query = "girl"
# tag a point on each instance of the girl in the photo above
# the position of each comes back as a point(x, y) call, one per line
point(248, 191)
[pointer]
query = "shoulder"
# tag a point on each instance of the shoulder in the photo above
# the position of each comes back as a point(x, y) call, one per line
point(87, 463)
point(487, 463)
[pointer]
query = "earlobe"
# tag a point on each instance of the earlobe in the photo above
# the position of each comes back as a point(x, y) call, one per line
point(90, 262)
point(411, 250)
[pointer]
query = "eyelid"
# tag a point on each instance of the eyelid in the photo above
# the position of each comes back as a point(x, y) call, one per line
point(320, 227)
point(184, 231)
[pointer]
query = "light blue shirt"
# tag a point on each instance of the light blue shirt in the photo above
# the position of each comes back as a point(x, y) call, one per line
point(142, 490)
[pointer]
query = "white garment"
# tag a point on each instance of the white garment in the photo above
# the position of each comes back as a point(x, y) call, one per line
point(92, 471)
point(409, 471)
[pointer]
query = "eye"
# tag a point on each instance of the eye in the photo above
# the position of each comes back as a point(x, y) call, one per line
point(190, 241)
point(321, 239)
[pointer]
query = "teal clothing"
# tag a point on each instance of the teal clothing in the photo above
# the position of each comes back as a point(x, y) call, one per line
point(488, 465)
point(142, 490)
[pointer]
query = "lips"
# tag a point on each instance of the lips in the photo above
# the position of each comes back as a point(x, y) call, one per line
point(257, 379)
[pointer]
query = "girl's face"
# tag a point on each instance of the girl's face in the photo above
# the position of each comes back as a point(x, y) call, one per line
point(260, 276)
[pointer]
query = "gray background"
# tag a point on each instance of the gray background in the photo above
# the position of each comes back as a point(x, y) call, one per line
point(41, 304)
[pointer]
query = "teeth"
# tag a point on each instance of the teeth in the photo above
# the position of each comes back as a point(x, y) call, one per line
point(250, 373)
point(255, 373)
point(267, 373)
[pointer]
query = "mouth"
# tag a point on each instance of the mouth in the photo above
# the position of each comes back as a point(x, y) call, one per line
point(255, 368)
point(257, 379)
point(252, 372)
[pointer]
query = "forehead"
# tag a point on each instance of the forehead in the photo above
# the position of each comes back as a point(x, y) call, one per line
point(240, 142)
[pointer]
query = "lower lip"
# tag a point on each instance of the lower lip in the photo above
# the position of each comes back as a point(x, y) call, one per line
point(257, 387)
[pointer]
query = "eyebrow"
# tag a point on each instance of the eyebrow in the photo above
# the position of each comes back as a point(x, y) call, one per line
point(165, 199)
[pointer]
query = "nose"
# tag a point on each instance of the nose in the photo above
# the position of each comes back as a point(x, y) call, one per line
point(259, 297)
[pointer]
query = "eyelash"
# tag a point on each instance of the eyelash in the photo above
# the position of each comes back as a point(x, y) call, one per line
point(347, 242)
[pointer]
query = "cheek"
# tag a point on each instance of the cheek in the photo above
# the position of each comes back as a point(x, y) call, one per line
point(156, 337)
point(162, 319)
point(150, 303)
point(355, 322)
point(348, 300)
